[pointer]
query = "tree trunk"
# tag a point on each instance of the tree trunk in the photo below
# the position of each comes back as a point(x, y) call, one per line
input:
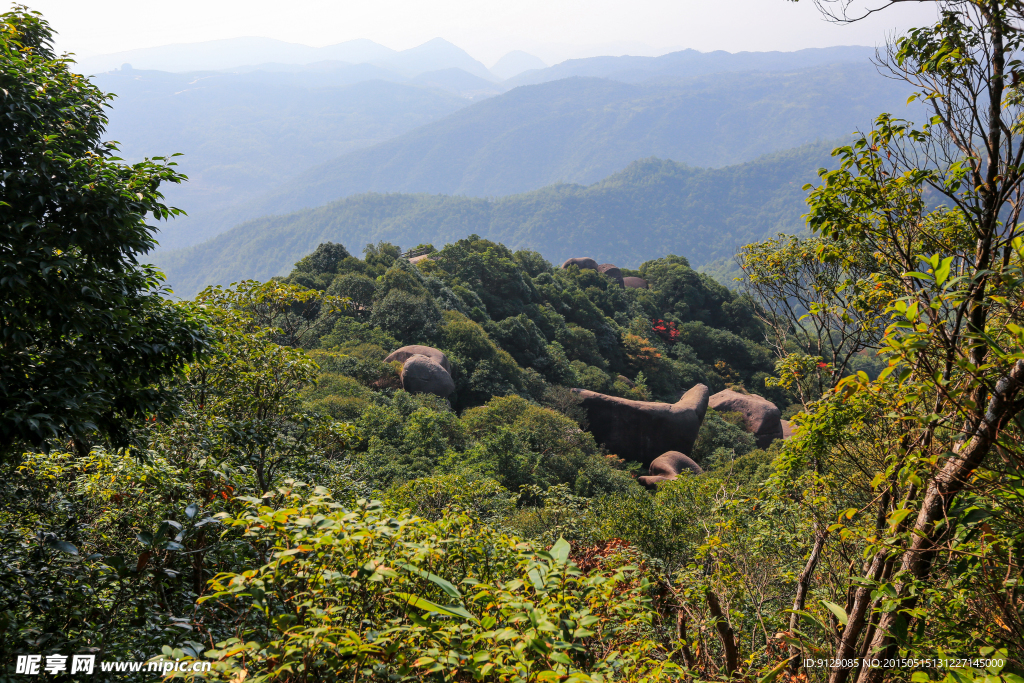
point(725, 633)
point(802, 585)
point(942, 490)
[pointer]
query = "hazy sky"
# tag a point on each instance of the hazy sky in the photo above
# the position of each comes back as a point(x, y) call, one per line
point(551, 29)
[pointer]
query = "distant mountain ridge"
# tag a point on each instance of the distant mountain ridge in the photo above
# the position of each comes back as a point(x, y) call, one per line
point(650, 208)
point(690, 63)
point(579, 130)
point(239, 53)
point(242, 136)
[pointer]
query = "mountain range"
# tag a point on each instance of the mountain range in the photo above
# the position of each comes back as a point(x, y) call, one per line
point(651, 208)
point(241, 136)
point(237, 53)
point(577, 130)
point(426, 145)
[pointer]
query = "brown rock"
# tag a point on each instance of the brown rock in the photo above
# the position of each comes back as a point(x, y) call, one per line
point(402, 354)
point(787, 429)
point(634, 282)
point(583, 263)
point(611, 271)
point(640, 431)
point(630, 383)
point(417, 259)
point(422, 375)
point(667, 467)
point(763, 418)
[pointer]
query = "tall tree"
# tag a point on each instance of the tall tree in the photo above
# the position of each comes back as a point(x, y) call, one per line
point(956, 348)
point(87, 333)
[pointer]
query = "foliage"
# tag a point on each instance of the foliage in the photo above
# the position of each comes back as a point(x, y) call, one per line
point(111, 550)
point(435, 497)
point(824, 301)
point(87, 331)
point(479, 604)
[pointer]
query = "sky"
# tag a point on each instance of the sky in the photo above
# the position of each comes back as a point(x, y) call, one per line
point(553, 30)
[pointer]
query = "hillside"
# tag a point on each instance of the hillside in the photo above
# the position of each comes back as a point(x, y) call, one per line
point(580, 130)
point(653, 207)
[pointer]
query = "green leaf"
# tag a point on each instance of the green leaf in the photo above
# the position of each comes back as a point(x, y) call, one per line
point(899, 515)
point(444, 585)
point(836, 610)
point(560, 550)
point(943, 271)
point(561, 658)
point(64, 547)
point(774, 673)
point(192, 510)
point(428, 606)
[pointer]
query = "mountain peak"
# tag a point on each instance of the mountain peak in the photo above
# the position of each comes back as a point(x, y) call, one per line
point(515, 63)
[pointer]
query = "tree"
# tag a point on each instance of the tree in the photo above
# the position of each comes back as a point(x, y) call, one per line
point(938, 205)
point(821, 303)
point(87, 332)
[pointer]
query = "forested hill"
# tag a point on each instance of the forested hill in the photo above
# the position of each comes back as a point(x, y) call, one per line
point(580, 130)
point(651, 208)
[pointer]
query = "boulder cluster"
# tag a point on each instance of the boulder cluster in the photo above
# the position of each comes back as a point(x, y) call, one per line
point(609, 269)
point(660, 435)
point(425, 370)
point(640, 431)
point(656, 435)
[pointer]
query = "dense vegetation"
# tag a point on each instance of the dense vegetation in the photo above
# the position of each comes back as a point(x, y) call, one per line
point(580, 130)
point(267, 499)
point(649, 209)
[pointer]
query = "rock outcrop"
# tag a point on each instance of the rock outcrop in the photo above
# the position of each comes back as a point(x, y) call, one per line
point(403, 354)
point(634, 283)
point(667, 467)
point(583, 263)
point(612, 271)
point(763, 418)
point(640, 431)
point(423, 375)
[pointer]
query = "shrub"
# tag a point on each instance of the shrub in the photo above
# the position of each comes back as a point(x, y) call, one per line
point(433, 497)
point(362, 595)
point(717, 433)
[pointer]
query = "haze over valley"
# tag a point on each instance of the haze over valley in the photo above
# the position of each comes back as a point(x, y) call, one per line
point(267, 128)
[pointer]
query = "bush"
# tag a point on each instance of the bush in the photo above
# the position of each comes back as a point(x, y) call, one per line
point(434, 497)
point(717, 433)
point(409, 318)
point(442, 599)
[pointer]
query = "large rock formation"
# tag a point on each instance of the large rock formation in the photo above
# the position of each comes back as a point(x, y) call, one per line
point(640, 431)
point(403, 354)
point(763, 418)
point(667, 467)
point(583, 263)
point(634, 282)
point(422, 375)
point(612, 271)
